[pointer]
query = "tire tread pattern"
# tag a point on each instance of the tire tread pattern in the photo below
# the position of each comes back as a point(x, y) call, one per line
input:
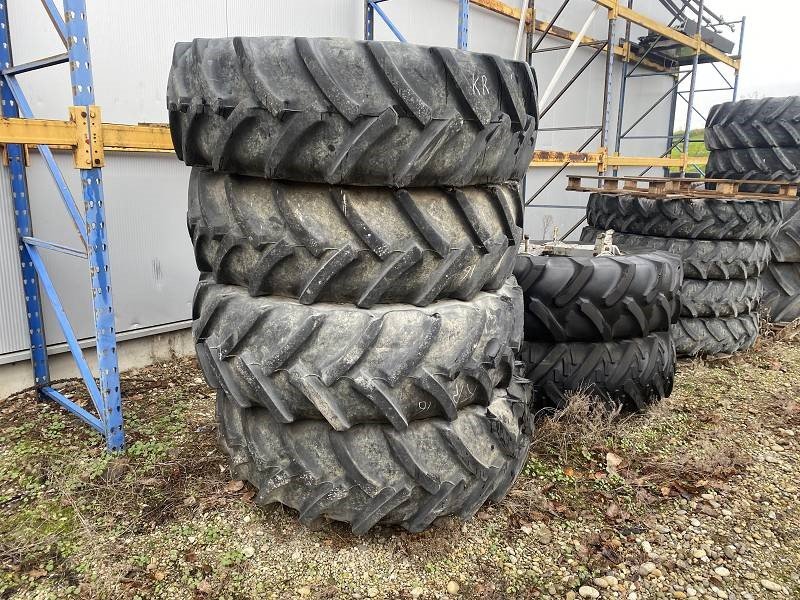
point(782, 292)
point(760, 164)
point(345, 365)
point(713, 336)
point(598, 298)
point(702, 259)
point(634, 373)
point(355, 245)
point(341, 111)
point(374, 474)
point(754, 123)
point(695, 218)
point(715, 298)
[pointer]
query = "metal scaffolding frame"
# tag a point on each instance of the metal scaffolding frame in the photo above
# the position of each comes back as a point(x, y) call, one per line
point(633, 58)
point(72, 28)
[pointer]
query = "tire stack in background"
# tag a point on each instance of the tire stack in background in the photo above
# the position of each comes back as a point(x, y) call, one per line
point(724, 247)
point(355, 214)
point(600, 325)
point(759, 139)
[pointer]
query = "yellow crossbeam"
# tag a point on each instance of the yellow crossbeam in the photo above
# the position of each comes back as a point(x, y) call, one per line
point(691, 42)
point(64, 135)
point(155, 137)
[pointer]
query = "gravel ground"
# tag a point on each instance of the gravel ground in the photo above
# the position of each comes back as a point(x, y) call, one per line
point(697, 499)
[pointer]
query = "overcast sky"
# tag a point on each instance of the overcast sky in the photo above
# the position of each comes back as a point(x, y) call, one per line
point(771, 54)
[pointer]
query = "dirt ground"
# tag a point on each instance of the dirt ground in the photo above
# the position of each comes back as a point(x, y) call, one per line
point(698, 498)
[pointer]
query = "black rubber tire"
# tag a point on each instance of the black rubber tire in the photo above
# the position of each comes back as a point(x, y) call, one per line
point(715, 298)
point(394, 363)
point(711, 336)
point(754, 123)
point(634, 373)
point(599, 298)
point(333, 110)
point(694, 218)
point(762, 164)
point(702, 259)
point(786, 242)
point(360, 245)
point(782, 292)
point(374, 474)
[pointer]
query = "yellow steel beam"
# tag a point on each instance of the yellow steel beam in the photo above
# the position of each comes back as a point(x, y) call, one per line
point(64, 134)
point(553, 158)
point(38, 131)
point(501, 8)
point(692, 42)
point(142, 138)
point(155, 137)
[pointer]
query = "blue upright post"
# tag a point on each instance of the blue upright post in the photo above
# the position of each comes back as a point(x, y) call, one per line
point(463, 24)
point(15, 155)
point(369, 21)
point(91, 181)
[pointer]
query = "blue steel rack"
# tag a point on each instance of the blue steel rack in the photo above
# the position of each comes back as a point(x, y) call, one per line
point(73, 30)
point(372, 6)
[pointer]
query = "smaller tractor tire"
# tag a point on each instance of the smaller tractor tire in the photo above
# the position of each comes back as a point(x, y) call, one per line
point(394, 363)
point(599, 298)
point(375, 474)
point(711, 336)
point(694, 218)
point(720, 298)
point(754, 123)
point(782, 292)
point(634, 373)
point(702, 259)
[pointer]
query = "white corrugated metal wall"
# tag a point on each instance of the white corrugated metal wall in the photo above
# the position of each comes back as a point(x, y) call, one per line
point(153, 271)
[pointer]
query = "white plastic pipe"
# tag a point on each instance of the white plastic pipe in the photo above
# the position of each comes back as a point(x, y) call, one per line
point(574, 46)
point(523, 11)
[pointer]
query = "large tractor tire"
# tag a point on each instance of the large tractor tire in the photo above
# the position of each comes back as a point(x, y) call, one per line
point(337, 111)
point(394, 363)
point(598, 298)
point(702, 259)
point(373, 473)
point(754, 123)
point(694, 218)
point(782, 292)
point(360, 245)
point(720, 298)
point(710, 336)
point(634, 373)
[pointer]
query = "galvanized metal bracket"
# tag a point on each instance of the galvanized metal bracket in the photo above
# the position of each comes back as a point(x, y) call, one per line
point(89, 151)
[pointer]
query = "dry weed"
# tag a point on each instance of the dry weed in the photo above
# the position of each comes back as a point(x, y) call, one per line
point(584, 423)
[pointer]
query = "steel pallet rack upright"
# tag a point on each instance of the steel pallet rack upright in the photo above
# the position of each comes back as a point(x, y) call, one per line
point(72, 28)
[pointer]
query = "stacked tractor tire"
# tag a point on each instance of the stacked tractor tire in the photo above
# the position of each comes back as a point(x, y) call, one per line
point(355, 214)
point(724, 247)
point(760, 140)
point(600, 324)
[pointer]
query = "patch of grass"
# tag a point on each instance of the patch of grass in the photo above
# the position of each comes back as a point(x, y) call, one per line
point(697, 146)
